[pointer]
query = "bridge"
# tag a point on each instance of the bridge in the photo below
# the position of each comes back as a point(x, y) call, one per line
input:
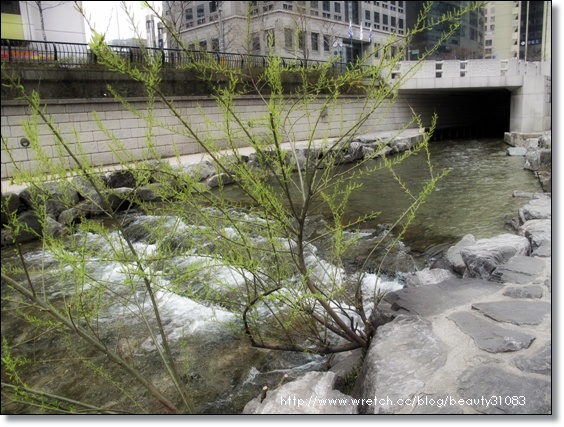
point(527, 83)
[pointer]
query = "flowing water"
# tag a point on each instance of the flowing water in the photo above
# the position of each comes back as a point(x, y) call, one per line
point(476, 197)
point(221, 370)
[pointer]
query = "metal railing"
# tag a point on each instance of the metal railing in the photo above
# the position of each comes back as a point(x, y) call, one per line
point(79, 54)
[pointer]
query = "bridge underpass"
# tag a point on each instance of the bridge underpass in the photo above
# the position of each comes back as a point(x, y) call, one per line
point(462, 113)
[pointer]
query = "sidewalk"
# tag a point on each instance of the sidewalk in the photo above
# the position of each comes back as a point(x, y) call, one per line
point(199, 157)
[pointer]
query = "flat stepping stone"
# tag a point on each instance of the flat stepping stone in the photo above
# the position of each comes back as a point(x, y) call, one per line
point(516, 312)
point(434, 299)
point(489, 336)
point(531, 291)
point(492, 390)
point(519, 269)
point(538, 363)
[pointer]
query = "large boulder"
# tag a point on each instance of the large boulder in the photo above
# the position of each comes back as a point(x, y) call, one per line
point(536, 209)
point(453, 257)
point(403, 356)
point(427, 277)
point(539, 233)
point(10, 205)
point(31, 228)
point(121, 178)
point(55, 196)
point(314, 393)
point(484, 256)
point(537, 159)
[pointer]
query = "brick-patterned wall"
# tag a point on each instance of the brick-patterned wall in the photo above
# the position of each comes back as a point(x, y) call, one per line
point(75, 116)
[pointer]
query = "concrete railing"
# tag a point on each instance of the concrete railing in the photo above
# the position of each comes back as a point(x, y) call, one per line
point(474, 68)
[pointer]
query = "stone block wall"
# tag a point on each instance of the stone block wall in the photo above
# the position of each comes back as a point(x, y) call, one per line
point(75, 119)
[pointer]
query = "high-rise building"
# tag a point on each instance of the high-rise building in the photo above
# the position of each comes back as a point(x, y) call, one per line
point(519, 29)
point(466, 43)
point(312, 30)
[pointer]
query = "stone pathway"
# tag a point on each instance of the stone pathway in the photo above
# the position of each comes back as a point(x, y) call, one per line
point(496, 327)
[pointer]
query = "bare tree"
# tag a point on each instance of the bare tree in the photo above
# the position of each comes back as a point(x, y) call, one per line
point(42, 6)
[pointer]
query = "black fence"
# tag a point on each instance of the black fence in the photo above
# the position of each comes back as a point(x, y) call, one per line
point(79, 54)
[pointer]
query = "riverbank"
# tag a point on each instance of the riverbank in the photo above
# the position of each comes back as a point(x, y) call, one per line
point(476, 344)
point(474, 337)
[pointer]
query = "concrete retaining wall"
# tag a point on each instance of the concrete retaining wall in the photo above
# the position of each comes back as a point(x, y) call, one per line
point(75, 119)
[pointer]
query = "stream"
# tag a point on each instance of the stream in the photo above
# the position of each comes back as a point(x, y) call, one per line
point(220, 369)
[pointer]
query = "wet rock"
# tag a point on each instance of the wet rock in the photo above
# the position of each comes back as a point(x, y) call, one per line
point(120, 198)
point(403, 356)
point(529, 195)
point(536, 209)
point(346, 365)
point(516, 151)
point(539, 363)
point(121, 178)
point(513, 394)
point(53, 228)
point(489, 336)
point(304, 396)
point(217, 180)
point(519, 269)
point(150, 192)
point(31, 229)
point(427, 277)
point(484, 256)
point(453, 257)
point(545, 141)
point(200, 171)
point(10, 205)
point(87, 191)
point(55, 196)
point(435, 299)
point(537, 159)
point(516, 312)
point(70, 216)
point(531, 292)
point(539, 233)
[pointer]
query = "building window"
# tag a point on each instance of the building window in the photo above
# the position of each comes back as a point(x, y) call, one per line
point(337, 7)
point(213, 6)
point(301, 40)
point(204, 45)
point(327, 6)
point(189, 15)
point(337, 17)
point(315, 41)
point(256, 43)
point(400, 4)
point(492, 27)
point(376, 17)
point(384, 19)
point(488, 42)
point(11, 7)
point(288, 38)
point(313, 4)
point(200, 14)
point(215, 45)
point(393, 23)
point(326, 43)
point(400, 23)
point(367, 15)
